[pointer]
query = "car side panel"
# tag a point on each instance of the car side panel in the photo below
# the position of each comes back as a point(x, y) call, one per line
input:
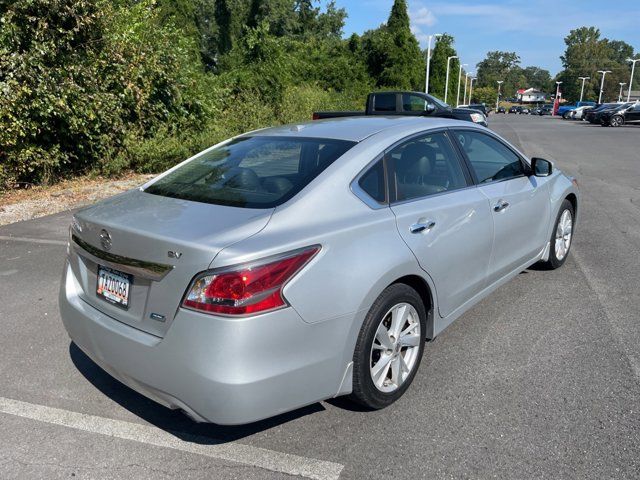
point(520, 229)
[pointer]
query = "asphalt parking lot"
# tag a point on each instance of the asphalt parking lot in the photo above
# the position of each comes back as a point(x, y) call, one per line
point(540, 380)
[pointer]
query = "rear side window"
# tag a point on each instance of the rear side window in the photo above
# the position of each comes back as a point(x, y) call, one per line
point(490, 159)
point(384, 102)
point(251, 172)
point(373, 183)
point(425, 166)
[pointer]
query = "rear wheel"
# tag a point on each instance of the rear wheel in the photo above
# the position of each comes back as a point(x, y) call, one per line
point(389, 347)
point(561, 236)
point(565, 115)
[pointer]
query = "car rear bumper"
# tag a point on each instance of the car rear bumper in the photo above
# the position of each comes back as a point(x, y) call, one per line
point(221, 370)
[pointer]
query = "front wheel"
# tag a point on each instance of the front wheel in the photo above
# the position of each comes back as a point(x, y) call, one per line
point(616, 121)
point(561, 236)
point(389, 347)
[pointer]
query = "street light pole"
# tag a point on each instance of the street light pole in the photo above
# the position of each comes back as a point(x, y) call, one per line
point(620, 94)
point(633, 68)
point(471, 88)
point(557, 99)
point(603, 72)
point(466, 77)
point(426, 77)
point(446, 84)
point(459, 78)
point(500, 82)
point(582, 89)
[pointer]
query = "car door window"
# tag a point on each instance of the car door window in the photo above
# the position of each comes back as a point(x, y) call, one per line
point(413, 103)
point(425, 166)
point(490, 159)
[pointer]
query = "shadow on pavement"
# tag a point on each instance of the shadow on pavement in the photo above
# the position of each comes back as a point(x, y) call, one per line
point(174, 421)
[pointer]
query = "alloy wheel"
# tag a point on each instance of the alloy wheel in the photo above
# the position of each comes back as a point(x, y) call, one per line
point(395, 349)
point(563, 235)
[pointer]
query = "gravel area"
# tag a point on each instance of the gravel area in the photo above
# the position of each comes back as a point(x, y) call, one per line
point(25, 204)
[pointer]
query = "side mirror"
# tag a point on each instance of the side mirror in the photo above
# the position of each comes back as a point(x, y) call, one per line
point(430, 108)
point(541, 167)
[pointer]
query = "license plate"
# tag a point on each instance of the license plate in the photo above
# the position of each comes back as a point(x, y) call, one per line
point(114, 286)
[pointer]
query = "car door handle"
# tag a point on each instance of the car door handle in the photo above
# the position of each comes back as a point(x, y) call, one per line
point(500, 206)
point(422, 227)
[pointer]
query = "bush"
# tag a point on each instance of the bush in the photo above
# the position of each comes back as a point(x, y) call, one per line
point(80, 78)
point(108, 86)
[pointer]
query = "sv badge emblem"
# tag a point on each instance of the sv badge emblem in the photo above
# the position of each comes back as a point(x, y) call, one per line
point(172, 254)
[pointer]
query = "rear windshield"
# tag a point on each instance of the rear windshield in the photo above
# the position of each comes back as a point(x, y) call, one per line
point(251, 172)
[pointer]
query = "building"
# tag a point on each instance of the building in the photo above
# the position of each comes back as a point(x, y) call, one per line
point(530, 95)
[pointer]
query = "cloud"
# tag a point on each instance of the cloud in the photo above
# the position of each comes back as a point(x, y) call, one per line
point(420, 17)
point(423, 16)
point(419, 34)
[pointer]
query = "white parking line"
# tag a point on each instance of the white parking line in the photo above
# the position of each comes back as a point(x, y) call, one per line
point(231, 451)
point(34, 240)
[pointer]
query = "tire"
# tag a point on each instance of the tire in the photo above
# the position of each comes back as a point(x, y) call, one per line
point(616, 121)
point(390, 356)
point(565, 115)
point(557, 257)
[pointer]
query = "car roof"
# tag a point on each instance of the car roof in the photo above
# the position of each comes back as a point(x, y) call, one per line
point(357, 128)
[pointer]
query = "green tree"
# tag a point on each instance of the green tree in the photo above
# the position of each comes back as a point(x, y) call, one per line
point(486, 95)
point(438, 69)
point(539, 78)
point(392, 52)
point(585, 54)
point(504, 66)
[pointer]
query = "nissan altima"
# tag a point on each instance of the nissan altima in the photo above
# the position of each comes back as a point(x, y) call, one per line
point(298, 263)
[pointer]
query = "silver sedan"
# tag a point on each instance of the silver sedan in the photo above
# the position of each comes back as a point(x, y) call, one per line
point(299, 263)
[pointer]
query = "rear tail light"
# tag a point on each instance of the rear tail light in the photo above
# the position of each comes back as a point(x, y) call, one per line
point(249, 288)
point(315, 116)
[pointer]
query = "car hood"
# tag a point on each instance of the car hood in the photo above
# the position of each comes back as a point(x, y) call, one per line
point(468, 111)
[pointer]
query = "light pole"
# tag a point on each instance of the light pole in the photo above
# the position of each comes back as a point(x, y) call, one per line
point(582, 89)
point(459, 78)
point(426, 76)
point(555, 110)
point(620, 94)
point(633, 68)
point(471, 88)
point(603, 72)
point(466, 77)
point(446, 84)
point(500, 82)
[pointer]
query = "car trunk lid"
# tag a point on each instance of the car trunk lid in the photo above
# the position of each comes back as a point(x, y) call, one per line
point(161, 243)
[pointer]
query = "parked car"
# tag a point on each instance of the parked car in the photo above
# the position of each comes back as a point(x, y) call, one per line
point(579, 112)
point(299, 263)
point(546, 110)
point(408, 104)
point(593, 115)
point(515, 109)
point(481, 107)
point(626, 113)
point(525, 111)
point(535, 111)
point(501, 110)
point(564, 110)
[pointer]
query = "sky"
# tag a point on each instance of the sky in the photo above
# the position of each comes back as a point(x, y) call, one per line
point(534, 29)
